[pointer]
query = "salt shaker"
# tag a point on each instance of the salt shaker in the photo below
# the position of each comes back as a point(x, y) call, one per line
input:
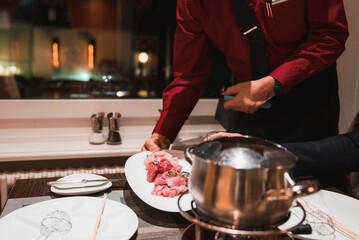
point(97, 136)
point(113, 137)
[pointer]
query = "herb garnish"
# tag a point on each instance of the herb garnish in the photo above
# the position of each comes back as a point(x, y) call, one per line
point(175, 172)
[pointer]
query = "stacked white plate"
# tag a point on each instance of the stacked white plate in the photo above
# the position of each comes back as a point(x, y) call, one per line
point(81, 188)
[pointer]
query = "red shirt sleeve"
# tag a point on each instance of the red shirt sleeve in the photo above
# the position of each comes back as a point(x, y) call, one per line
point(191, 69)
point(325, 42)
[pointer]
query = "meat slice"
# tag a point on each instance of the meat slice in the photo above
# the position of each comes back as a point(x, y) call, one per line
point(177, 167)
point(177, 181)
point(172, 191)
point(164, 166)
point(161, 179)
point(157, 190)
point(159, 157)
point(152, 172)
point(168, 192)
point(179, 189)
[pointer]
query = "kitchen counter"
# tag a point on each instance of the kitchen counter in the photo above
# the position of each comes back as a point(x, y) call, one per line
point(60, 129)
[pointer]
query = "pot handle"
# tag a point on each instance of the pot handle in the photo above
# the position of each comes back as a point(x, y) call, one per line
point(308, 187)
point(187, 154)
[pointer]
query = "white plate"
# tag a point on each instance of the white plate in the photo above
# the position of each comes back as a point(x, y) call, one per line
point(79, 188)
point(339, 207)
point(136, 175)
point(118, 221)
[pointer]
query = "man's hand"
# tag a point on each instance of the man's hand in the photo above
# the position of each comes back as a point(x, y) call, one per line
point(155, 143)
point(222, 134)
point(250, 96)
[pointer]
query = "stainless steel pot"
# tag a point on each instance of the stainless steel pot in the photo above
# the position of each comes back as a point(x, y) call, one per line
point(244, 181)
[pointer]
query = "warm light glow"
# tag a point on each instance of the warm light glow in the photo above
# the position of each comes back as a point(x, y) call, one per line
point(91, 56)
point(55, 55)
point(9, 70)
point(56, 95)
point(143, 57)
point(17, 48)
point(142, 93)
point(84, 76)
point(120, 94)
point(12, 69)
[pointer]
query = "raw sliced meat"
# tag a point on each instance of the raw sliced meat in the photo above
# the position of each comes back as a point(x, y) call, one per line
point(152, 172)
point(164, 166)
point(166, 173)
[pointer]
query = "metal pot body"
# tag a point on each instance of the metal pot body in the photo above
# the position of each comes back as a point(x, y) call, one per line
point(256, 198)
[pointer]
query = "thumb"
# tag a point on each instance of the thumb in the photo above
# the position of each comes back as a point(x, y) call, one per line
point(151, 145)
point(154, 146)
point(230, 91)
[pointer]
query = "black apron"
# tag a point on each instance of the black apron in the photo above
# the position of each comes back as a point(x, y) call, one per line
point(310, 111)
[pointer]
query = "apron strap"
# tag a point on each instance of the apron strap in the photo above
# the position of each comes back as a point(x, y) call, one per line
point(258, 59)
point(254, 36)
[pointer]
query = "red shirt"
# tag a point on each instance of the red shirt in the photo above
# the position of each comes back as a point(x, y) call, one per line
point(302, 38)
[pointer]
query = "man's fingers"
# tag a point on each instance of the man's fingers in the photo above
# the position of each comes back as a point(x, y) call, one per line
point(234, 104)
point(151, 145)
point(222, 134)
point(241, 106)
point(232, 90)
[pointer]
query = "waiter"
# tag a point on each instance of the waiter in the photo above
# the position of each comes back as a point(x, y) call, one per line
point(282, 58)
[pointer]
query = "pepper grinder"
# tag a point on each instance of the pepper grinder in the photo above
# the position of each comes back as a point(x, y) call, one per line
point(97, 136)
point(113, 137)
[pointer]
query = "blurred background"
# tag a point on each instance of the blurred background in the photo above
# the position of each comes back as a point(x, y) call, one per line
point(85, 49)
